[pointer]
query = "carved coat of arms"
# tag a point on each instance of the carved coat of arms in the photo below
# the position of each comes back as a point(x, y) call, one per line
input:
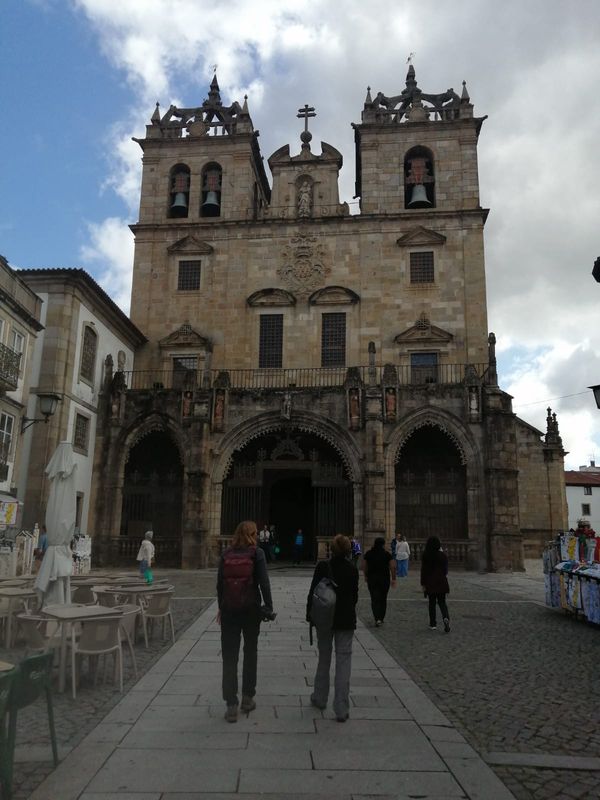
point(304, 268)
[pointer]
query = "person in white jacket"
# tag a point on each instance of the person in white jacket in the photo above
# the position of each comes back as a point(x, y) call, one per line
point(402, 555)
point(145, 556)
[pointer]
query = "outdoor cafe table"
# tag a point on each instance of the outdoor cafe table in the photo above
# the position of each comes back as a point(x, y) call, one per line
point(67, 614)
point(14, 593)
point(5, 666)
point(134, 590)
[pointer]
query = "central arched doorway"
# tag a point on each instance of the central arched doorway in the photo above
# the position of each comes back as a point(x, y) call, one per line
point(291, 479)
point(431, 493)
point(152, 496)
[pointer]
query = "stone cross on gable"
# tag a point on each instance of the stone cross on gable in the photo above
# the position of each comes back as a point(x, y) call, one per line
point(306, 112)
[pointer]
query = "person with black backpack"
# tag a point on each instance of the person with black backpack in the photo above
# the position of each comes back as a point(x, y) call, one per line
point(334, 624)
point(242, 579)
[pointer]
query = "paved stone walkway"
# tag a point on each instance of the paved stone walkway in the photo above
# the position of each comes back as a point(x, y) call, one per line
point(167, 739)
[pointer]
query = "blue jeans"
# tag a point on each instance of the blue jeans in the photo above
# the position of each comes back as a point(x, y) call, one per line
point(143, 566)
point(402, 567)
point(343, 668)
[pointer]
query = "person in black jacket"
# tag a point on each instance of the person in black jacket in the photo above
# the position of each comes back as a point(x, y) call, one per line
point(379, 568)
point(345, 575)
point(244, 621)
point(434, 580)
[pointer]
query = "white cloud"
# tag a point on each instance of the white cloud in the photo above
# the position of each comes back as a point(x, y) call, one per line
point(110, 256)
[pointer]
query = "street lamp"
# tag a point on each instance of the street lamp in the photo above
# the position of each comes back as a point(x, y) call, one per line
point(48, 403)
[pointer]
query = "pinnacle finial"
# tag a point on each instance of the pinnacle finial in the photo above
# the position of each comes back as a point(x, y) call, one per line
point(465, 94)
point(368, 99)
point(155, 118)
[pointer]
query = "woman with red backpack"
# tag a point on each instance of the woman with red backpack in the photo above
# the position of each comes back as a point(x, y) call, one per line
point(242, 580)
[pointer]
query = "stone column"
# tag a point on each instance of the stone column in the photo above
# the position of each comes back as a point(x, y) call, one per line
point(375, 469)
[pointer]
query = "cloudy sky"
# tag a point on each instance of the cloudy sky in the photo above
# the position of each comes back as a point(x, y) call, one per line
point(80, 77)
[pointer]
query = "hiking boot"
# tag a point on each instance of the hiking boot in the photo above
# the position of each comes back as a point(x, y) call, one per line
point(248, 704)
point(447, 625)
point(231, 715)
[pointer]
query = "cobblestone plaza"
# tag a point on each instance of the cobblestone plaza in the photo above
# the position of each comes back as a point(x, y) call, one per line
point(487, 712)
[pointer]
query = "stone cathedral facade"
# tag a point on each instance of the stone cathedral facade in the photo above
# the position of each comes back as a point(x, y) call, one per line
point(309, 368)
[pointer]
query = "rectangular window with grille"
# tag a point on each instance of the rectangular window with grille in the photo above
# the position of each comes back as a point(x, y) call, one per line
point(185, 372)
point(587, 489)
point(333, 340)
point(188, 279)
point(421, 267)
point(424, 367)
point(270, 343)
point(585, 509)
point(88, 354)
point(81, 433)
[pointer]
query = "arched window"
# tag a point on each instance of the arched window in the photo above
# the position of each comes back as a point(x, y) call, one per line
point(419, 179)
point(179, 191)
point(88, 354)
point(212, 178)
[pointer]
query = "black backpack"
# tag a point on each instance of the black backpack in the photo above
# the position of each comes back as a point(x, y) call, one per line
point(239, 590)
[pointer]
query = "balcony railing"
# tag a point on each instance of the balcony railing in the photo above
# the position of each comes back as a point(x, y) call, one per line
point(305, 378)
point(10, 362)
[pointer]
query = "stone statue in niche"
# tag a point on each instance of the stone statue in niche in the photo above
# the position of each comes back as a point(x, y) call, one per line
point(186, 404)
point(286, 406)
point(473, 403)
point(304, 199)
point(354, 409)
point(219, 414)
point(390, 404)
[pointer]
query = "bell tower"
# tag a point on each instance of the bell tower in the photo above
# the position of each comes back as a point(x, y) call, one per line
point(201, 168)
point(416, 163)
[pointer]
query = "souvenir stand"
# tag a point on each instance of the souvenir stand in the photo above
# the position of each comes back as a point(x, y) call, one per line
point(572, 573)
point(82, 554)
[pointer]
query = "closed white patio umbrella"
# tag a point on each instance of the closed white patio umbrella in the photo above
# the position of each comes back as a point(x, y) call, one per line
point(53, 582)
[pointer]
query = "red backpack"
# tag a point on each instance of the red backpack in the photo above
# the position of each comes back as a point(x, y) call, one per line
point(239, 592)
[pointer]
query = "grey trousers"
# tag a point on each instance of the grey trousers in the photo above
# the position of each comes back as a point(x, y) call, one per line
point(343, 667)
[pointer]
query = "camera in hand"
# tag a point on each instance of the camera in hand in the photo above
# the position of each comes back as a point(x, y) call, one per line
point(267, 614)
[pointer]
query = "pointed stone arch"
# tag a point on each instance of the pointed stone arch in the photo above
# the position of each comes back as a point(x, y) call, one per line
point(303, 421)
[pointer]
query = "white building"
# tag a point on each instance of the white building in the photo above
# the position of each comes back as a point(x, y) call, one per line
point(82, 327)
point(583, 495)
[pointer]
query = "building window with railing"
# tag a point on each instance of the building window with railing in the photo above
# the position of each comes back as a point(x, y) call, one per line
point(421, 267)
point(188, 278)
point(17, 344)
point(424, 367)
point(81, 431)
point(333, 340)
point(89, 347)
point(185, 372)
point(270, 343)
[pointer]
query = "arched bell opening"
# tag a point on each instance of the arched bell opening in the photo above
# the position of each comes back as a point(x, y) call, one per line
point(431, 487)
point(290, 479)
point(179, 191)
point(419, 178)
point(153, 495)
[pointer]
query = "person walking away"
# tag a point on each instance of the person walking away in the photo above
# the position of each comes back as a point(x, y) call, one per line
point(274, 543)
point(402, 554)
point(38, 553)
point(356, 552)
point(264, 540)
point(345, 575)
point(145, 555)
point(242, 580)
point(379, 569)
point(298, 546)
point(434, 580)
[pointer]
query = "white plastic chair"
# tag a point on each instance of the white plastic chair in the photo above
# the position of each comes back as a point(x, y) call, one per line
point(157, 605)
point(128, 619)
point(40, 633)
point(99, 636)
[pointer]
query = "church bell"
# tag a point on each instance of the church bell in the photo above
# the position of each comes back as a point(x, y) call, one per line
point(211, 207)
point(179, 206)
point(418, 198)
